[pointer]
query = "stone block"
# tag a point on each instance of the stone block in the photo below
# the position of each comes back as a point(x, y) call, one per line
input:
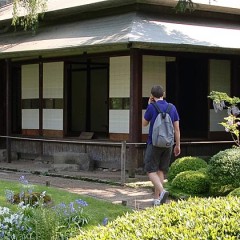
point(56, 167)
point(81, 159)
point(3, 155)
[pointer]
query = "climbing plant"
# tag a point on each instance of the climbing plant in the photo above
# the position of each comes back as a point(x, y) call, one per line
point(26, 13)
point(231, 123)
point(187, 5)
point(184, 5)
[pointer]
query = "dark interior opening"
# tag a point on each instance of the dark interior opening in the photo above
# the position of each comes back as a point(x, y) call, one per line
point(187, 88)
point(87, 97)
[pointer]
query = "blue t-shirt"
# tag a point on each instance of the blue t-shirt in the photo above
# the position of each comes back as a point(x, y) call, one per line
point(151, 114)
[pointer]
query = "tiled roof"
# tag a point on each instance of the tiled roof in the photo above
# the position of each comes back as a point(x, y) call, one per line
point(224, 6)
point(117, 32)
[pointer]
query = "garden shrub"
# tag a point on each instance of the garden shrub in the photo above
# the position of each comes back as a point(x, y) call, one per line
point(235, 192)
point(196, 218)
point(185, 164)
point(218, 189)
point(224, 167)
point(30, 198)
point(193, 182)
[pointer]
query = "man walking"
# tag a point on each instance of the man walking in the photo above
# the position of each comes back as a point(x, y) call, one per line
point(157, 159)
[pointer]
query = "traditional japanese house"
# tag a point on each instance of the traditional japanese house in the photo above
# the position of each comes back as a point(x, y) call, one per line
point(82, 81)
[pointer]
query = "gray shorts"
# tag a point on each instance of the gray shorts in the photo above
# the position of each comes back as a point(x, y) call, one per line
point(156, 159)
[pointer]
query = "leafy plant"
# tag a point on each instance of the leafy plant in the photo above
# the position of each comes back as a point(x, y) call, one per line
point(44, 223)
point(184, 5)
point(71, 218)
point(14, 225)
point(193, 182)
point(231, 123)
point(26, 13)
point(224, 167)
point(235, 192)
point(26, 195)
point(196, 218)
point(184, 164)
point(36, 220)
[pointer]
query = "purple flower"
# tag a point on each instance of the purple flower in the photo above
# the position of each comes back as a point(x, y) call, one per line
point(23, 180)
point(81, 202)
point(105, 221)
point(71, 205)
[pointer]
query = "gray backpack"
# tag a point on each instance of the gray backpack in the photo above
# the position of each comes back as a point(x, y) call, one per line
point(163, 130)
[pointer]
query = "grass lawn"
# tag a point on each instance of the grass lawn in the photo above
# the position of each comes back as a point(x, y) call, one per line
point(97, 210)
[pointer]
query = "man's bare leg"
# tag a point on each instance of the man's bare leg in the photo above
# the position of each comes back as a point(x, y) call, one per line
point(156, 181)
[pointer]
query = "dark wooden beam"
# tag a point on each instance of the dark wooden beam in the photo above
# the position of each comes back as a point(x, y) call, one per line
point(135, 125)
point(8, 109)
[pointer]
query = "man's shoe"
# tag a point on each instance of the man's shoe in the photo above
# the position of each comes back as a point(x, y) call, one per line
point(156, 202)
point(164, 197)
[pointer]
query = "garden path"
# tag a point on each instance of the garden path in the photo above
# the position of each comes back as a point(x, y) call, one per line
point(101, 184)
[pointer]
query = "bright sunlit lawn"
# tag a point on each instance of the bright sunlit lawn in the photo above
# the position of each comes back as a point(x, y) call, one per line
point(97, 210)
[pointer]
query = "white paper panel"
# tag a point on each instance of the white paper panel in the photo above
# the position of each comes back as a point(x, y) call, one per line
point(145, 129)
point(53, 119)
point(119, 121)
point(154, 73)
point(220, 74)
point(119, 77)
point(30, 119)
point(30, 81)
point(53, 80)
point(215, 119)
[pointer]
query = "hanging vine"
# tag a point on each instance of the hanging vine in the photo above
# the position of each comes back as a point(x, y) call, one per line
point(26, 13)
point(187, 5)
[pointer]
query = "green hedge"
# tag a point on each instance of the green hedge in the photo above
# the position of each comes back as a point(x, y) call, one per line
point(185, 164)
point(224, 170)
point(235, 192)
point(196, 218)
point(195, 182)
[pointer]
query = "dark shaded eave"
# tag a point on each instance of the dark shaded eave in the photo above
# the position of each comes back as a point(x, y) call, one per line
point(70, 51)
point(187, 48)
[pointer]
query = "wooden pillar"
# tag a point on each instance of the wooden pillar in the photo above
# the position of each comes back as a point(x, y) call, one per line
point(135, 125)
point(8, 109)
point(235, 85)
point(40, 97)
point(41, 104)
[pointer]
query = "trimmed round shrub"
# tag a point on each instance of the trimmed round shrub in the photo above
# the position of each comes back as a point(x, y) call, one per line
point(196, 218)
point(218, 189)
point(224, 167)
point(235, 192)
point(195, 182)
point(185, 164)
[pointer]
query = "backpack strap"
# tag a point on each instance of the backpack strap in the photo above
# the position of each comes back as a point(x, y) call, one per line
point(169, 107)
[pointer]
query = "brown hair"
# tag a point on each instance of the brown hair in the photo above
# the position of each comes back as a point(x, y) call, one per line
point(157, 91)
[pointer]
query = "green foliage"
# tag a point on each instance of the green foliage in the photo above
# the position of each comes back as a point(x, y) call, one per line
point(185, 164)
point(26, 13)
point(185, 5)
point(224, 167)
point(217, 189)
point(193, 182)
point(97, 209)
point(235, 192)
point(196, 218)
point(231, 123)
point(44, 224)
point(219, 97)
